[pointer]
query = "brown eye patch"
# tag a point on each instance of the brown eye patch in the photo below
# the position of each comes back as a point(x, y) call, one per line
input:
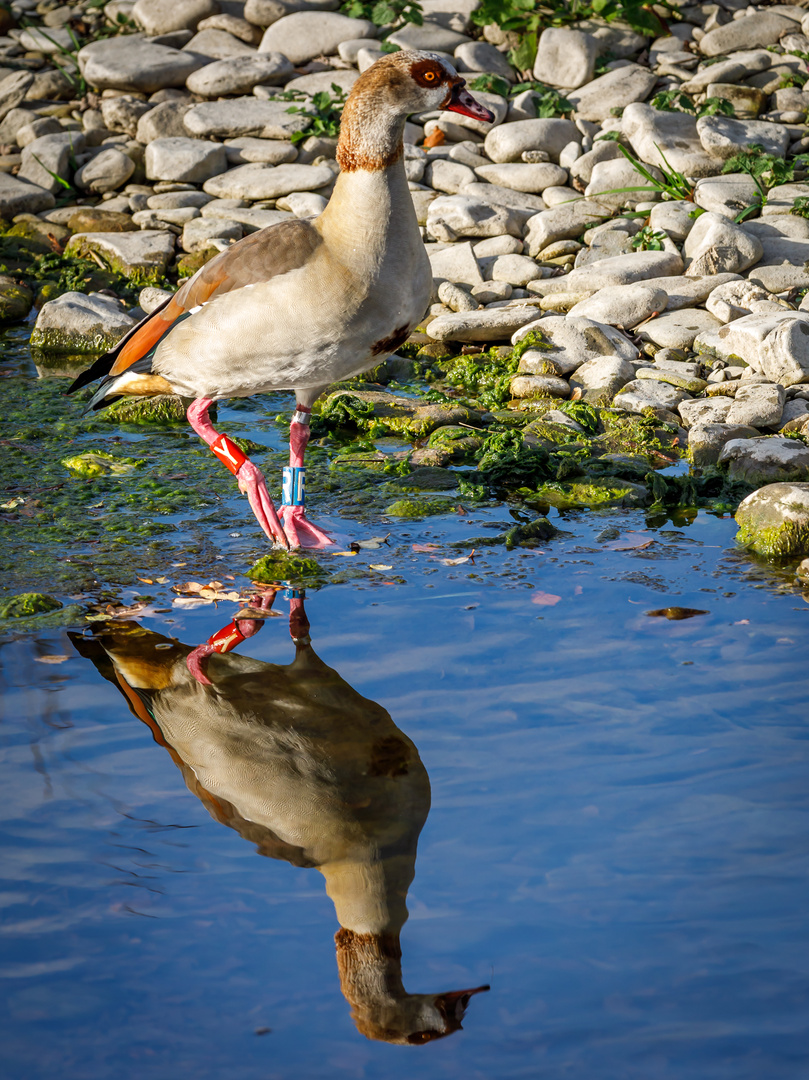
point(427, 73)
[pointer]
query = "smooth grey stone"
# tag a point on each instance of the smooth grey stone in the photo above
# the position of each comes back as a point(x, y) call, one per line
point(774, 345)
point(705, 441)
point(490, 324)
point(758, 405)
point(677, 329)
point(756, 30)
point(625, 269)
point(531, 179)
point(243, 116)
point(129, 63)
point(715, 245)
point(697, 412)
point(735, 299)
point(673, 218)
point(451, 217)
point(565, 57)
point(165, 16)
point(622, 305)
point(675, 133)
point(603, 376)
point(267, 182)
point(501, 196)
point(184, 160)
point(304, 35)
point(47, 155)
point(574, 341)
point(506, 142)
point(722, 137)
point(198, 233)
point(126, 252)
point(240, 74)
point(642, 394)
point(107, 171)
point(218, 45)
point(766, 460)
point(20, 197)
point(481, 56)
point(431, 37)
point(455, 262)
point(164, 121)
point(247, 149)
point(617, 89)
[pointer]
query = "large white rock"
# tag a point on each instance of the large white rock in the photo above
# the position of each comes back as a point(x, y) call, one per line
point(267, 181)
point(617, 89)
point(240, 74)
point(716, 245)
point(758, 405)
point(47, 155)
point(128, 253)
point(722, 137)
point(244, 116)
point(625, 269)
point(758, 29)
point(774, 345)
point(451, 217)
point(650, 130)
point(127, 63)
point(306, 34)
point(519, 177)
point(573, 341)
point(768, 459)
point(218, 45)
point(735, 299)
point(78, 323)
point(490, 324)
point(564, 222)
point(165, 16)
point(609, 180)
point(565, 57)
point(507, 142)
point(107, 171)
point(622, 305)
point(456, 263)
point(184, 160)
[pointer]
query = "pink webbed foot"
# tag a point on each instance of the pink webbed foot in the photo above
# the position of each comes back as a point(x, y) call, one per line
point(300, 532)
point(254, 486)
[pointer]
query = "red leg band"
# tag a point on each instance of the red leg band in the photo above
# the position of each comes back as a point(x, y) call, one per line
point(227, 638)
point(228, 453)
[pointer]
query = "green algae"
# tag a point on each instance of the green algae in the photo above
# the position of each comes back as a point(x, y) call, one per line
point(23, 605)
point(534, 339)
point(424, 478)
point(483, 378)
point(506, 461)
point(287, 567)
point(99, 463)
point(782, 540)
point(599, 492)
point(160, 409)
point(418, 508)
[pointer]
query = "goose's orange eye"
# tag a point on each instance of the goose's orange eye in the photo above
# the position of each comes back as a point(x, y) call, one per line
point(430, 76)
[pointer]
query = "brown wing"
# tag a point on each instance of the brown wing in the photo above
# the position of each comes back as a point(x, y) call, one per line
point(263, 255)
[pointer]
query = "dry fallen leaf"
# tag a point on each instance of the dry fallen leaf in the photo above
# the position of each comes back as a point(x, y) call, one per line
point(51, 659)
point(146, 580)
point(426, 547)
point(676, 613)
point(346, 554)
point(373, 543)
point(631, 542)
point(457, 562)
point(544, 599)
point(380, 566)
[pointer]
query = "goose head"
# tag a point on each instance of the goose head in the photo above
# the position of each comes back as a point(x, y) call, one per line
point(386, 94)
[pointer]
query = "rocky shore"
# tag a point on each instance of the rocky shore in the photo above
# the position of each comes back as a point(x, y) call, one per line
point(619, 260)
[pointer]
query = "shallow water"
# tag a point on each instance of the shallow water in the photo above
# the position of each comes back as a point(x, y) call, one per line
point(612, 727)
point(617, 840)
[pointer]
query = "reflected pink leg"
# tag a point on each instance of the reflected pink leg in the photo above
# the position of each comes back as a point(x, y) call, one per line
point(227, 638)
point(251, 479)
point(299, 530)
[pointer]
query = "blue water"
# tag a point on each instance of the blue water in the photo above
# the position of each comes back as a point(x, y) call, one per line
point(617, 841)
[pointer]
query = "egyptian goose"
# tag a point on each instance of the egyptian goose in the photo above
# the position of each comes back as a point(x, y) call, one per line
point(303, 303)
point(300, 764)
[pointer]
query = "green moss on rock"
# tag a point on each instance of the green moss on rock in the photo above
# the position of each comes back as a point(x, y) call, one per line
point(418, 508)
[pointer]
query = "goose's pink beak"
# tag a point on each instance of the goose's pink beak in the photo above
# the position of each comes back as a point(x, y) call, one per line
point(461, 101)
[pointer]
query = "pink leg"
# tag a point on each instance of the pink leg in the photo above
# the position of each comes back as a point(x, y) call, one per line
point(227, 638)
point(299, 530)
point(251, 480)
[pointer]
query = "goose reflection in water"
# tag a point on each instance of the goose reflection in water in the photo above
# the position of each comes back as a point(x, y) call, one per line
point(304, 767)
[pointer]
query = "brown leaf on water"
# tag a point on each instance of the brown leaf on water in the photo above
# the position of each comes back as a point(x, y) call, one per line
point(676, 613)
point(544, 599)
point(425, 547)
point(380, 566)
point(51, 659)
point(146, 580)
point(631, 542)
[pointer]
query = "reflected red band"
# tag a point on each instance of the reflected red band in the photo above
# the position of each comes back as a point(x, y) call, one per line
point(226, 639)
point(228, 453)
